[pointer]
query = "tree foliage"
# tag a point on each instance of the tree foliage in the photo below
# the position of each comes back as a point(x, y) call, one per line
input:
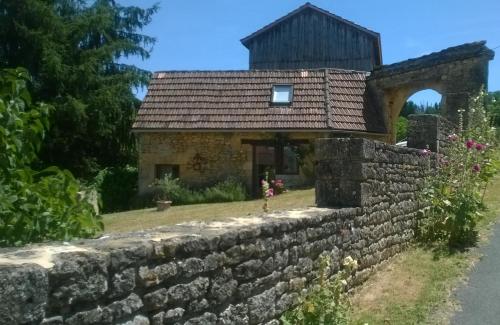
point(493, 107)
point(75, 49)
point(34, 205)
point(412, 108)
point(401, 128)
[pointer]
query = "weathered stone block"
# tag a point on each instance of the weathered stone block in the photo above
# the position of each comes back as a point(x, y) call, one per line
point(189, 291)
point(156, 300)
point(223, 287)
point(138, 320)
point(24, 291)
point(248, 270)
point(262, 307)
point(78, 277)
point(237, 314)
point(206, 319)
point(191, 267)
point(122, 283)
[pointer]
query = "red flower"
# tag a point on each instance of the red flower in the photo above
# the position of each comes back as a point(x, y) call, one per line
point(476, 168)
point(480, 146)
point(470, 143)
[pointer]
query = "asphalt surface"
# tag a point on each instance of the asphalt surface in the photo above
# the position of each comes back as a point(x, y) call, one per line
point(480, 297)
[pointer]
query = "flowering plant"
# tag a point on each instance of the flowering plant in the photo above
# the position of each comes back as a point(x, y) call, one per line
point(278, 186)
point(455, 191)
point(267, 192)
point(326, 302)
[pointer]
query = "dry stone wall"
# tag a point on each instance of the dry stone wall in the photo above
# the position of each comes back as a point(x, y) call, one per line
point(429, 131)
point(245, 271)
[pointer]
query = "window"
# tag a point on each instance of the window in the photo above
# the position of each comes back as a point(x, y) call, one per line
point(287, 162)
point(164, 169)
point(290, 162)
point(282, 94)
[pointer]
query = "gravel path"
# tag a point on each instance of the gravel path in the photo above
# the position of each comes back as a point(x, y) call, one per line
point(480, 297)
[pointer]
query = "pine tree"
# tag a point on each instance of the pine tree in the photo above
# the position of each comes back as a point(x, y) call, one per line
point(74, 51)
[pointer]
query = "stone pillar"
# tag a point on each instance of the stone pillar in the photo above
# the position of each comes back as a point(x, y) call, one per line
point(353, 172)
point(339, 171)
point(427, 131)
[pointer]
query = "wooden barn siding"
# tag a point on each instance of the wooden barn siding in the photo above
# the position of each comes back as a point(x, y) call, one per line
point(312, 40)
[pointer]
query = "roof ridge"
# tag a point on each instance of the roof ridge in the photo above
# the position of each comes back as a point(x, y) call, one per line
point(261, 70)
point(307, 5)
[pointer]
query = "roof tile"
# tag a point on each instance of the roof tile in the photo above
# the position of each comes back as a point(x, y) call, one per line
point(322, 99)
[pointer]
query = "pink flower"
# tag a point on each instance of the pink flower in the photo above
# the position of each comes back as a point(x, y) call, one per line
point(453, 137)
point(470, 143)
point(425, 152)
point(476, 168)
point(480, 146)
point(270, 192)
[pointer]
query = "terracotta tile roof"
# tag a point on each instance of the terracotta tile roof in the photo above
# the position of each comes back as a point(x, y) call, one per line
point(241, 100)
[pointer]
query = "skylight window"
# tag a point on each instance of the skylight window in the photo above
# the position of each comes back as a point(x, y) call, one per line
point(282, 94)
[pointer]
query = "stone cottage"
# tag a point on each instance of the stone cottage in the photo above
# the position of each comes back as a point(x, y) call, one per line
point(312, 74)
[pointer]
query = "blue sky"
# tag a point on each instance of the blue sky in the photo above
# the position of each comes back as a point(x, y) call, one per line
point(205, 34)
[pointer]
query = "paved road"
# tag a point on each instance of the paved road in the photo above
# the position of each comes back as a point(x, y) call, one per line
point(480, 297)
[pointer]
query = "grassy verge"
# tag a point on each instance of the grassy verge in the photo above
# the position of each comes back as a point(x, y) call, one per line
point(414, 287)
point(149, 218)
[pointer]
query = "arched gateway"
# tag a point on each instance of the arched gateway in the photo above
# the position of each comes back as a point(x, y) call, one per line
point(457, 73)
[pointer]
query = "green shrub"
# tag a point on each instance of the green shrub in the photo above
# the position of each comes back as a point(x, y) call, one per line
point(401, 128)
point(34, 205)
point(455, 190)
point(117, 187)
point(227, 191)
point(172, 189)
point(326, 302)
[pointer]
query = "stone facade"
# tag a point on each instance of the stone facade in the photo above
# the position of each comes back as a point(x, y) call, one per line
point(205, 158)
point(219, 155)
point(248, 271)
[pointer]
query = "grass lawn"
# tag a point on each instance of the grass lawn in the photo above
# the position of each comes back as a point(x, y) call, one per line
point(149, 218)
point(415, 286)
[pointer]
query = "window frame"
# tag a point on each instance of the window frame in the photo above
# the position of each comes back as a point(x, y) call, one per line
point(174, 167)
point(290, 95)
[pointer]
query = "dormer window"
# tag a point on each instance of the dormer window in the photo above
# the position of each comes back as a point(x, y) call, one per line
point(282, 94)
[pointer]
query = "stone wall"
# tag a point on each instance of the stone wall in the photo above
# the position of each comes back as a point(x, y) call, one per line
point(219, 155)
point(429, 131)
point(244, 271)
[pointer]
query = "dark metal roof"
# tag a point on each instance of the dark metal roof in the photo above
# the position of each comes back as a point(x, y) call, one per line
point(324, 99)
point(306, 6)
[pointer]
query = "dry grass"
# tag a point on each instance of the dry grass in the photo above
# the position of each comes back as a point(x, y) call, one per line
point(415, 286)
point(150, 218)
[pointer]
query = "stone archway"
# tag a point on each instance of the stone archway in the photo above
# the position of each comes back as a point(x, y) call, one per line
point(456, 73)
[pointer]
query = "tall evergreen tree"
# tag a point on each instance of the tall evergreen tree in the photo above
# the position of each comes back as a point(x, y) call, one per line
point(74, 49)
